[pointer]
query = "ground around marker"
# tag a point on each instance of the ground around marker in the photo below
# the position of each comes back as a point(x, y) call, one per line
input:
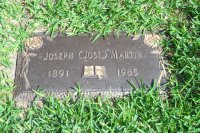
point(142, 111)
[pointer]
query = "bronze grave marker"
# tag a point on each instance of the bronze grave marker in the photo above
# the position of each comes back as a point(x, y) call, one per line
point(100, 67)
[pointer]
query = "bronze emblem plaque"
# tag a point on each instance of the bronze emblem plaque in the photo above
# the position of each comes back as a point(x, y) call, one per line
point(103, 66)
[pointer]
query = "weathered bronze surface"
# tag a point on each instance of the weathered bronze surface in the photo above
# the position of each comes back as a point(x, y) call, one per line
point(104, 66)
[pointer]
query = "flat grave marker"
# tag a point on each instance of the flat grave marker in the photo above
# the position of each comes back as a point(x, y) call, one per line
point(103, 66)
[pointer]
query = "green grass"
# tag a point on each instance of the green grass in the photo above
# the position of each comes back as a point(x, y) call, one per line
point(179, 21)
